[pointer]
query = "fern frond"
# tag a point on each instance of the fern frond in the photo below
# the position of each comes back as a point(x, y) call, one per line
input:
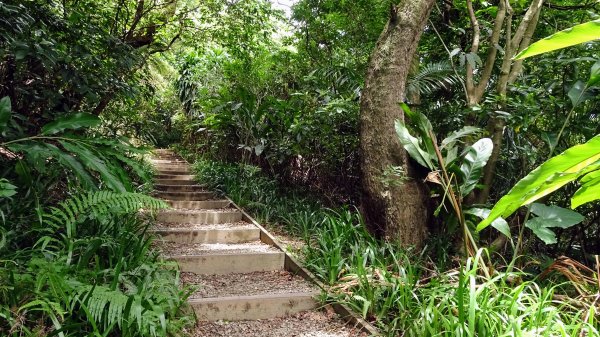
point(99, 204)
point(116, 308)
point(431, 77)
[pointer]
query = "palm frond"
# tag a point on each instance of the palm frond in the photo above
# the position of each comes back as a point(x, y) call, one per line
point(431, 77)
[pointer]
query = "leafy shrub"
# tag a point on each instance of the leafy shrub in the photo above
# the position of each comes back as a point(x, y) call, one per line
point(91, 271)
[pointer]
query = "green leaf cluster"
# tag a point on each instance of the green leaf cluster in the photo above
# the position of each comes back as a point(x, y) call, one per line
point(580, 162)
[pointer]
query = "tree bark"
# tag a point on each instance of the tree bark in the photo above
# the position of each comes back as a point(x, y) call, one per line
point(398, 212)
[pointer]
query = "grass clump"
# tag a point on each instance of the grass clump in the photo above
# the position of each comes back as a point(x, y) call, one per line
point(403, 292)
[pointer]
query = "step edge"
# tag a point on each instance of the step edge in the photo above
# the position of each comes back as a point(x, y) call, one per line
point(181, 257)
point(180, 230)
point(201, 300)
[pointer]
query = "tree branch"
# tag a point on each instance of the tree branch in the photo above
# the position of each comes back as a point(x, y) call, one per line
point(469, 82)
point(167, 47)
point(490, 60)
point(518, 65)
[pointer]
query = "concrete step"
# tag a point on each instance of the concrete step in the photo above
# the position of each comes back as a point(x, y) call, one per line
point(174, 170)
point(205, 204)
point(161, 152)
point(200, 216)
point(168, 161)
point(224, 258)
point(249, 296)
point(179, 187)
point(227, 263)
point(172, 167)
point(174, 182)
point(167, 158)
point(252, 307)
point(224, 233)
point(184, 177)
point(184, 196)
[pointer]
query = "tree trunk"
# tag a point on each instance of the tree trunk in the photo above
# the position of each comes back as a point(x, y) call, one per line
point(398, 212)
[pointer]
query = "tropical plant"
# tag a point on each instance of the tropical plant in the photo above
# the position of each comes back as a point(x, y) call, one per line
point(581, 162)
point(581, 33)
point(457, 175)
point(59, 141)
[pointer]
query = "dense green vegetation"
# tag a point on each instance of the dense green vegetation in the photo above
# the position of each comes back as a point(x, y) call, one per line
point(268, 107)
point(397, 287)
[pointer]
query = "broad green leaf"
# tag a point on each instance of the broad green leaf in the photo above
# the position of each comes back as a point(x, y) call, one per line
point(72, 122)
point(555, 216)
point(584, 32)
point(135, 165)
point(548, 177)
point(412, 146)
point(500, 224)
point(457, 135)
point(551, 217)
point(5, 111)
point(451, 155)
point(422, 126)
point(7, 189)
point(35, 153)
point(578, 93)
point(475, 159)
point(594, 74)
point(545, 234)
point(72, 163)
point(589, 190)
point(551, 139)
point(473, 60)
point(92, 161)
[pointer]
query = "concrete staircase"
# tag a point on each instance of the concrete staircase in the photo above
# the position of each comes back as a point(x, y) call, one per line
point(214, 243)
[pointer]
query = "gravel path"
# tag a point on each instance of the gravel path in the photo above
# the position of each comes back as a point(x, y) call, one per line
point(271, 282)
point(306, 324)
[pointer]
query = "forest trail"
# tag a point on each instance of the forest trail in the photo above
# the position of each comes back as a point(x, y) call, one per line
point(243, 286)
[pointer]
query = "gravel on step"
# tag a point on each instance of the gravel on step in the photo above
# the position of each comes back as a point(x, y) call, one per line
point(188, 226)
point(186, 249)
point(200, 210)
point(305, 324)
point(270, 282)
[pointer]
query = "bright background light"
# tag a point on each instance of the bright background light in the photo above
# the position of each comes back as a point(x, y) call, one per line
point(285, 5)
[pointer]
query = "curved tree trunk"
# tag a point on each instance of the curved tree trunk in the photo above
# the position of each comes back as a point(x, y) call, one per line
point(398, 212)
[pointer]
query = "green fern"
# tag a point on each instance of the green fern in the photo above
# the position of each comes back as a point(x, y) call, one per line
point(142, 313)
point(98, 205)
point(431, 77)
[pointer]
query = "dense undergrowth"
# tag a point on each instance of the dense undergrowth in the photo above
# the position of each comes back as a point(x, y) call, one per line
point(75, 259)
point(85, 267)
point(405, 293)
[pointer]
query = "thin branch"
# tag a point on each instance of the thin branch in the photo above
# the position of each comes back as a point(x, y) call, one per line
point(488, 68)
point(474, 48)
point(527, 19)
point(167, 47)
point(518, 65)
